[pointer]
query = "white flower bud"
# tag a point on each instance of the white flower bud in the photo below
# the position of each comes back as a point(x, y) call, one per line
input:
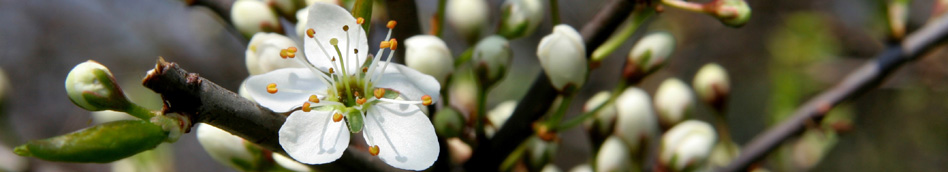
point(635, 121)
point(91, 86)
point(673, 102)
point(539, 152)
point(687, 145)
point(563, 57)
point(493, 55)
point(520, 18)
point(311, 2)
point(498, 116)
point(429, 55)
point(651, 52)
point(467, 16)
point(550, 168)
point(712, 84)
point(460, 151)
point(302, 16)
point(224, 147)
point(734, 13)
point(263, 53)
point(582, 168)
point(605, 117)
point(252, 16)
point(613, 156)
point(286, 8)
point(290, 164)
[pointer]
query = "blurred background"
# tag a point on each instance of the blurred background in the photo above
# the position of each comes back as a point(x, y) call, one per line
point(788, 52)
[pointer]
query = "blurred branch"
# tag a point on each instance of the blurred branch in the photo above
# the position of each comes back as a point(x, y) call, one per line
point(488, 156)
point(221, 7)
point(860, 81)
point(204, 101)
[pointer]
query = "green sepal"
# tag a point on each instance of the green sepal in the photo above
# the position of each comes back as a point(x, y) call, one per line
point(448, 123)
point(355, 119)
point(99, 144)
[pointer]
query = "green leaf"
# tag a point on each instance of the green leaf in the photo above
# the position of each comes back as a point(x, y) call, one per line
point(100, 144)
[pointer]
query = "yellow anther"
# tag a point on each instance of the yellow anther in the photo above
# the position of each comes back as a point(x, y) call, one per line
point(361, 101)
point(379, 92)
point(356, 94)
point(426, 100)
point(306, 107)
point(355, 51)
point(314, 99)
point(272, 88)
point(374, 150)
point(310, 32)
point(336, 117)
point(360, 20)
point(333, 41)
point(391, 24)
point(331, 71)
point(365, 69)
point(291, 49)
point(284, 54)
point(345, 28)
point(290, 54)
point(394, 43)
point(385, 44)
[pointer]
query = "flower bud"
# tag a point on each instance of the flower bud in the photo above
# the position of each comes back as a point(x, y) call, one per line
point(650, 53)
point(429, 55)
point(687, 145)
point(460, 151)
point(91, 86)
point(712, 85)
point(581, 168)
point(491, 57)
point(605, 119)
point(302, 17)
point(498, 116)
point(673, 102)
point(539, 153)
point(263, 53)
point(734, 13)
point(467, 16)
point(520, 18)
point(563, 57)
point(635, 121)
point(288, 163)
point(286, 8)
point(311, 2)
point(228, 149)
point(448, 122)
point(613, 156)
point(252, 16)
point(550, 168)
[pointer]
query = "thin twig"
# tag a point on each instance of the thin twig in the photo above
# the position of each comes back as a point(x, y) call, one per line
point(204, 101)
point(488, 156)
point(860, 81)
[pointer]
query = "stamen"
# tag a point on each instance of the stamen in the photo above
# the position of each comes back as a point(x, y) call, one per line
point(330, 71)
point(336, 117)
point(394, 43)
point(379, 92)
point(333, 41)
point(391, 24)
point(272, 88)
point(333, 59)
point(345, 28)
point(378, 56)
point(361, 101)
point(426, 100)
point(356, 94)
point(365, 69)
point(374, 150)
point(384, 45)
point(283, 54)
point(306, 107)
point(360, 20)
point(314, 98)
point(310, 32)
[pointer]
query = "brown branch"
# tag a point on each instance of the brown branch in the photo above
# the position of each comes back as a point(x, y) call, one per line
point(488, 156)
point(203, 101)
point(860, 81)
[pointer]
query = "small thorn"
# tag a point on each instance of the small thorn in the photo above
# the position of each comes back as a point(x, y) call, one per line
point(336, 117)
point(374, 150)
point(272, 88)
point(306, 107)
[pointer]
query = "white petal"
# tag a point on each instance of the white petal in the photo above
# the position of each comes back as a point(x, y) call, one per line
point(405, 137)
point(410, 83)
point(327, 21)
point(294, 86)
point(313, 138)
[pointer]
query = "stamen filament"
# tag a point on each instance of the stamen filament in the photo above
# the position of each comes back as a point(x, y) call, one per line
point(328, 58)
point(387, 61)
point(405, 102)
point(345, 75)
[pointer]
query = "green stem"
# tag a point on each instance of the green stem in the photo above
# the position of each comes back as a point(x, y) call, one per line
point(685, 5)
point(363, 8)
point(561, 110)
point(511, 159)
point(555, 12)
point(140, 112)
point(481, 109)
point(633, 22)
point(620, 87)
point(439, 19)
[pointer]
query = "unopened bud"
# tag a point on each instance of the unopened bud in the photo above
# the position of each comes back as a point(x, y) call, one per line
point(673, 102)
point(581, 168)
point(539, 152)
point(91, 86)
point(687, 145)
point(636, 122)
point(429, 55)
point(605, 118)
point(448, 122)
point(498, 116)
point(302, 17)
point(467, 16)
point(563, 57)
point(228, 149)
point(613, 156)
point(520, 18)
point(734, 13)
point(712, 85)
point(492, 56)
point(251, 16)
point(650, 53)
point(263, 53)
point(286, 8)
